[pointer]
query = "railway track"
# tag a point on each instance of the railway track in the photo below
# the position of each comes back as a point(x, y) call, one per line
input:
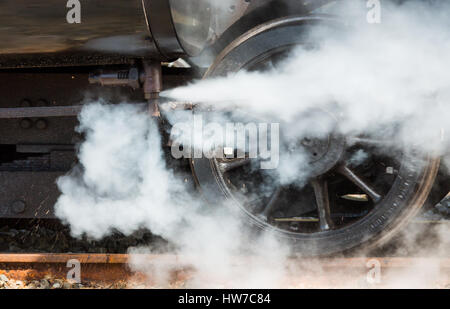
point(119, 271)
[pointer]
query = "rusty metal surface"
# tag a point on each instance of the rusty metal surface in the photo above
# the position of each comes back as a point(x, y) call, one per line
point(92, 272)
point(87, 258)
point(306, 272)
point(100, 258)
point(94, 267)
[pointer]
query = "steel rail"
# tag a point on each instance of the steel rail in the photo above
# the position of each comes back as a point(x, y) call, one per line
point(113, 269)
point(107, 258)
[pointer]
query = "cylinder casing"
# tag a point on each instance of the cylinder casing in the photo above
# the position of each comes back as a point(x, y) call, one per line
point(40, 31)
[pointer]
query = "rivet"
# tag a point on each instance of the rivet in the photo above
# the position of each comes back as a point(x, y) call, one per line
point(26, 123)
point(25, 103)
point(18, 206)
point(41, 124)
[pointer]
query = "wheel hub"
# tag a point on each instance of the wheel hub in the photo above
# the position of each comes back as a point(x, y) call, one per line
point(323, 154)
point(324, 148)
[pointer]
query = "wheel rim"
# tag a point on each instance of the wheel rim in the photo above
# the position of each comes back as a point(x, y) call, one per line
point(411, 175)
point(340, 195)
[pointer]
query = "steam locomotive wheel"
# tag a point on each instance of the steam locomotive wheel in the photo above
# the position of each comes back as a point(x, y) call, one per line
point(344, 204)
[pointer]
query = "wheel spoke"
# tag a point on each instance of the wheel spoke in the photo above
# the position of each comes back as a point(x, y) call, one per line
point(269, 207)
point(226, 166)
point(352, 140)
point(253, 204)
point(360, 182)
point(320, 187)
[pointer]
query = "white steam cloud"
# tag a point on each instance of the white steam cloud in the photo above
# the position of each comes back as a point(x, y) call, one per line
point(392, 76)
point(378, 75)
point(123, 184)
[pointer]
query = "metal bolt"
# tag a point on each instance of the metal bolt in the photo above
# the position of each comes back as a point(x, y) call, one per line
point(42, 102)
point(41, 124)
point(307, 142)
point(26, 123)
point(18, 206)
point(25, 103)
